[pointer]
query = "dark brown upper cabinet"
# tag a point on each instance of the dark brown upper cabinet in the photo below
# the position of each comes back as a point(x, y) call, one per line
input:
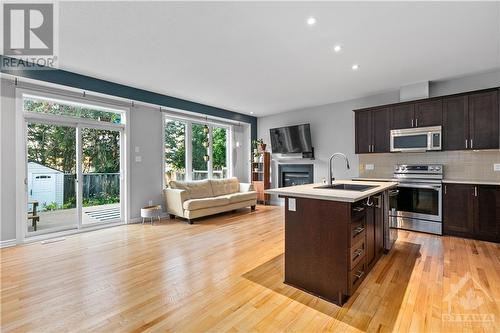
point(429, 113)
point(363, 124)
point(372, 131)
point(402, 116)
point(417, 114)
point(455, 123)
point(471, 121)
point(483, 120)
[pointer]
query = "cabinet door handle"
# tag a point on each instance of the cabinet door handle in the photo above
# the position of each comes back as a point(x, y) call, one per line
point(357, 253)
point(466, 145)
point(357, 231)
point(445, 189)
point(416, 122)
point(475, 191)
point(411, 122)
point(471, 144)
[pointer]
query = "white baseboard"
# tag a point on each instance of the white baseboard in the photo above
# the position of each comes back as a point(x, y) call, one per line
point(8, 243)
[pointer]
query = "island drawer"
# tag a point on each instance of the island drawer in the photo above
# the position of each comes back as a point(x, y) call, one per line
point(357, 231)
point(357, 252)
point(358, 211)
point(356, 276)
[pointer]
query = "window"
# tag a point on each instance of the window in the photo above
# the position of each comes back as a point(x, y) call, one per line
point(200, 152)
point(175, 150)
point(190, 153)
point(55, 107)
point(219, 153)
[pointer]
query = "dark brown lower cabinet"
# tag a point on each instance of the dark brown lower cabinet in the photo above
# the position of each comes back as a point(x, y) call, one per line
point(487, 213)
point(331, 246)
point(472, 211)
point(374, 231)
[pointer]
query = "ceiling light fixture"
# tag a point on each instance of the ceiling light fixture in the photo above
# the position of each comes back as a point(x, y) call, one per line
point(355, 67)
point(251, 112)
point(311, 21)
point(337, 48)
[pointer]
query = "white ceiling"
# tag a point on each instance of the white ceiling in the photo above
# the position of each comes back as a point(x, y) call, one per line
point(264, 58)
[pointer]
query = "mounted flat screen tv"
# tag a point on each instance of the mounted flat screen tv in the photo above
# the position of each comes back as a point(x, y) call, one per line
point(291, 139)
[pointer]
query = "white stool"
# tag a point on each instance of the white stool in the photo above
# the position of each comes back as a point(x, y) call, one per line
point(151, 212)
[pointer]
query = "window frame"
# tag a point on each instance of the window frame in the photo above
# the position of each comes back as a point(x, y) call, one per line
point(189, 121)
point(23, 117)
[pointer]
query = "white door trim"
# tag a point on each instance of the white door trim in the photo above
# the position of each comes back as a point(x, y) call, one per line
point(21, 119)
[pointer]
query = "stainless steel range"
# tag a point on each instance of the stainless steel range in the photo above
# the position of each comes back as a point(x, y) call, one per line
point(419, 199)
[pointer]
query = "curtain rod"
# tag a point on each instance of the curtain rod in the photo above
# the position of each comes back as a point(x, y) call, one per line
point(112, 100)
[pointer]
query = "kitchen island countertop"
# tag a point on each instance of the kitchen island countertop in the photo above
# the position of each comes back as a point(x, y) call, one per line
point(308, 191)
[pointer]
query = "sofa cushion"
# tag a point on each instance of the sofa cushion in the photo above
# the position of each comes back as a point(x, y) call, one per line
point(242, 196)
point(196, 189)
point(194, 204)
point(225, 186)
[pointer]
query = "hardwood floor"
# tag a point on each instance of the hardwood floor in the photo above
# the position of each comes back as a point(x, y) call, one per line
point(225, 273)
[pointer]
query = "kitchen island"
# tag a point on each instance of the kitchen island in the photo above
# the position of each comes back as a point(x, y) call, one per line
point(333, 237)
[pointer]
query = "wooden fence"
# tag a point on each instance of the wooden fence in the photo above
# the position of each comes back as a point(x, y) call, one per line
point(94, 185)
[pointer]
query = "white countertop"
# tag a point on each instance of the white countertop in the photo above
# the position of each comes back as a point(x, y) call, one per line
point(308, 191)
point(471, 181)
point(449, 181)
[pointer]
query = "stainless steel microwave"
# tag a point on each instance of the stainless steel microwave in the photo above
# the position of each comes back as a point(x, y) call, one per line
point(416, 139)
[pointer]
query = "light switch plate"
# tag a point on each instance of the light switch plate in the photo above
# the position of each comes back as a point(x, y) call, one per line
point(496, 167)
point(292, 204)
point(138, 158)
point(137, 149)
point(369, 166)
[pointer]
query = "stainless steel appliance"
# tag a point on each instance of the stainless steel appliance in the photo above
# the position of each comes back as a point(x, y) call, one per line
point(419, 199)
point(416, 139)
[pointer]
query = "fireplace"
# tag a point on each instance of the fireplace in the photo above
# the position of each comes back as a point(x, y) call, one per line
point(295, 174)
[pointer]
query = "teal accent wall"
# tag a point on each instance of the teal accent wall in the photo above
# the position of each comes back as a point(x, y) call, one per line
point(15, 67)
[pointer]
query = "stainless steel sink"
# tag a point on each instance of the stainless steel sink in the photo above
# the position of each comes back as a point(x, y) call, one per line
point(347, 187)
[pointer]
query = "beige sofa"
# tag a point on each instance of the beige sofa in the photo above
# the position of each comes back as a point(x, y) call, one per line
point(195, 199)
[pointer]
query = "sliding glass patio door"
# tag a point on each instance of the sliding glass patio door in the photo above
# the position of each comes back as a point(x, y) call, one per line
point(74, 166)
point(51, 173)
point(101, 176)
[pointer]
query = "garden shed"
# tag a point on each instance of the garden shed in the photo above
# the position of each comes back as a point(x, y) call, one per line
point(45, 185)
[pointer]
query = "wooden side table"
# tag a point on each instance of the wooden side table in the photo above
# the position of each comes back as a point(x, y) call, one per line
point(150, 212)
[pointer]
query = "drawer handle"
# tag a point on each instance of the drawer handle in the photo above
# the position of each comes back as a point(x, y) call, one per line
point(358, 209)
point(359, 274)
point(357, 253)
point(358, 230)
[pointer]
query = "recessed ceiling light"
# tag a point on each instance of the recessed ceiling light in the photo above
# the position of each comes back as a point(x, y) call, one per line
point(251, 112)
point(355, 67)
point(337, 48)
point(311, 21)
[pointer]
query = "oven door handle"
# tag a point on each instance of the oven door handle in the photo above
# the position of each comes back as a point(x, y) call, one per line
point(430, 187)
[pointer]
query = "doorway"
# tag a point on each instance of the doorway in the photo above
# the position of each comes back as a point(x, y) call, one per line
point(74, 166)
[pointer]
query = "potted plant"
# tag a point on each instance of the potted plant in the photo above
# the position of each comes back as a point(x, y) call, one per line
point(259, 143)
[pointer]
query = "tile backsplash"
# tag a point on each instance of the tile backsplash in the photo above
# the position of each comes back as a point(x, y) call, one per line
point(458, 165)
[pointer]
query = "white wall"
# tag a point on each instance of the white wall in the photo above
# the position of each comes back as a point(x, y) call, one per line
point(7, 150)
point(332, 125)
point(146, 177)
point(332, 130)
